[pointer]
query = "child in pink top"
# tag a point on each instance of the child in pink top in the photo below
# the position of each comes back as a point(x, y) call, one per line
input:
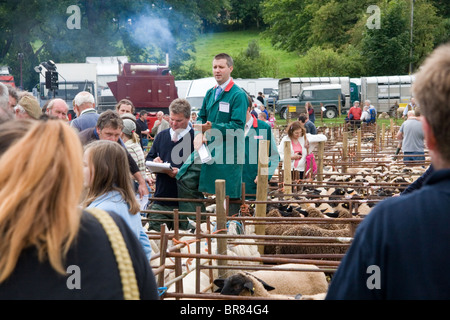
point(272, 120)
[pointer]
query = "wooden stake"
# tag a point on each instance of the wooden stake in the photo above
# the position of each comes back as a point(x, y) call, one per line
point(261, 187)
point(344, 150)
point(320, 161)
point(221, 224)
point(287, 169)
point(358, 147)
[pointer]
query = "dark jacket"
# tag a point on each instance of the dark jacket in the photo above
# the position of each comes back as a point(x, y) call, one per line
point(93, 255)
point(163, 146)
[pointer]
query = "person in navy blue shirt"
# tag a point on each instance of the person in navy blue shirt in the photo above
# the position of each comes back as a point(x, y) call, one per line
point(400, 250)
point(173, 146)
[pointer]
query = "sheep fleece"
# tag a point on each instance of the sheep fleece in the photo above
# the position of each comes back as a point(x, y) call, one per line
point(294, 282)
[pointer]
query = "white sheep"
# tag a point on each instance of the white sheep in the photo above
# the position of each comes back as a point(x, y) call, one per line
point(286, 283)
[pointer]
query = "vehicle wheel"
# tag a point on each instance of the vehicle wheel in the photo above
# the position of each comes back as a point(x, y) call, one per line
point(330, 113)
point(283, 113)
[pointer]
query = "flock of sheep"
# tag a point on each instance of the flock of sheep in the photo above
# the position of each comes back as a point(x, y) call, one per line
point(319, 222)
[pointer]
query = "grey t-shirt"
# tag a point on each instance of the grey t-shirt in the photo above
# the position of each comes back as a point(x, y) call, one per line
point(413, 136)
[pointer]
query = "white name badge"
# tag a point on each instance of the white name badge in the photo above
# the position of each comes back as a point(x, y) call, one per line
point(224, 107)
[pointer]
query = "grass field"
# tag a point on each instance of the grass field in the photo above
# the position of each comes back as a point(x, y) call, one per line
point(234, 42)
point(341, 120)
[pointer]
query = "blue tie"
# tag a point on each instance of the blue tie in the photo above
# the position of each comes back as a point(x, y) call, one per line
point(218, 91)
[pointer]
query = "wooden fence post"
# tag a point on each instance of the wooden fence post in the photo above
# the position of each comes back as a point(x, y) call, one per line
point(261, 187)
point(221, 224)
point(287, 175)
point(358, 146)
point(344, 151)
point(320, 161)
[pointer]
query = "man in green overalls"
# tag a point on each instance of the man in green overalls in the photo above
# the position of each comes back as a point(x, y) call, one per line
point(255, 131)
point(219, 127)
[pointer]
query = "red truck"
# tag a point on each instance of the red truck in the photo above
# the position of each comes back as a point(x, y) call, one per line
point(150, 87)
point(6, 77)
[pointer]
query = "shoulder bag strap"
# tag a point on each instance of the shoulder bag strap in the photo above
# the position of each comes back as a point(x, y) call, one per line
point(126, 270)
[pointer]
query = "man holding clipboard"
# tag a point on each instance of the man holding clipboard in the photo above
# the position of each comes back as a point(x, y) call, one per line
point(169, 150)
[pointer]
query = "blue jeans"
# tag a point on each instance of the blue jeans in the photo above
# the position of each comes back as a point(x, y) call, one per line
point(413, 156)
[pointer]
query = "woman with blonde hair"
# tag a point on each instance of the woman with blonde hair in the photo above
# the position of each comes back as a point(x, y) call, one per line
point(296, 135)
point(109, 186)
point(49, 248)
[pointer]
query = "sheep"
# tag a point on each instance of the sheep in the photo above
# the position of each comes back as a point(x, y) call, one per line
point(325, 207)
point(344, 231)
point(274, 229)
point(286, 283)
point(314, 231)
point(189, 282)
point(285, 210)
point(364, 209)
point(248, 285)
point(318, 296)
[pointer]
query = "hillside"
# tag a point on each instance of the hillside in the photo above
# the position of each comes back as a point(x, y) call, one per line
point(234, 42)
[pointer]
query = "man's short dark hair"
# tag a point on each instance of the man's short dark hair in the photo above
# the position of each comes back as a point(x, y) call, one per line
point(110, 119)
point(126, 102)
point(302, 117)
point(226, 57)
point(143, 113)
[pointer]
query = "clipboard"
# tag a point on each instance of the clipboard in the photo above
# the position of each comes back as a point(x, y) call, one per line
point(156, 167)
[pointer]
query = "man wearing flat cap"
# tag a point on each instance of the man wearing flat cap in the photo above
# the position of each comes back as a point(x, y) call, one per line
point(28, 108)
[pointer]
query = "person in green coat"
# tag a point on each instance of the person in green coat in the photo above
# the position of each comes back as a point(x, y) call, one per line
point(255, 131)
point(219, 128)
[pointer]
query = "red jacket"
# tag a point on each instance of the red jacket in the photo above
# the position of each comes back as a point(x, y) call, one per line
point(356, 112)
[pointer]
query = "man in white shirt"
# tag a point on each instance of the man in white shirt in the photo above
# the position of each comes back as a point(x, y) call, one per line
point(172, 145)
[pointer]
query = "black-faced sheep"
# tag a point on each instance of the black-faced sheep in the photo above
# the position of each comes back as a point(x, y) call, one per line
point(285, 210)
point(281, 284)
point(343, 231)
point(310, 229)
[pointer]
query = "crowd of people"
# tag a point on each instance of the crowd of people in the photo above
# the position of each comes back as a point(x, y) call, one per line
point(73, 172)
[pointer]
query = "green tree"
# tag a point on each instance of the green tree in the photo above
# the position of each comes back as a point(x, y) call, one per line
point(142, 30)
point(320, 62)
point(332, 22)
point(443, 7)
point(251, 63)
point(428, 30)
point(246, 14)
point(289, 22)
point(386, 49)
